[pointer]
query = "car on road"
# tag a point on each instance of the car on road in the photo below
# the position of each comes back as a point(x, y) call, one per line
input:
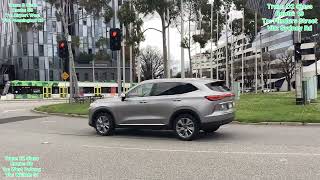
point(185, 106)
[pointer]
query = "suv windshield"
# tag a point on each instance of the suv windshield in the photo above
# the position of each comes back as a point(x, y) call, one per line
point(218, 86)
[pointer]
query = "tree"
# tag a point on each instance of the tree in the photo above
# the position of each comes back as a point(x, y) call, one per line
point(267, 59)
point(151, 63)
point(94, 8)
point(193, 11)
point(286, 66)
point(147, 7)
point(249, 21)
point(134, 35)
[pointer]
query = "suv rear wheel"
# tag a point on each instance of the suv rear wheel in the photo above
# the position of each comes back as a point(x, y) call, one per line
point(104, 124)
point(186, 127)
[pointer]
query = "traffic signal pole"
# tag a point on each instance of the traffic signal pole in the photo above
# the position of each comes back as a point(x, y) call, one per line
point(298, 62)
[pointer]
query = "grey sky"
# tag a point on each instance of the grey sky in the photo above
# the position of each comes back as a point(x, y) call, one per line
point(154, 38)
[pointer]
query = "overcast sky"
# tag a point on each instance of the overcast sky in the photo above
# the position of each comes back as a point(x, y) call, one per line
point(154, 38)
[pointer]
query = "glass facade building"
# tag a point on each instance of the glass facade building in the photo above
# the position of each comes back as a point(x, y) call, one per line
point(33, 55)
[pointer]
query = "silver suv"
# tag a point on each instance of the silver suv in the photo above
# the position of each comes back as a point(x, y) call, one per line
point(183, 105)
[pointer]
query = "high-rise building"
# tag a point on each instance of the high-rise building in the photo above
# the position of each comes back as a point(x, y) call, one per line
point(273, 44)
point(33, 55)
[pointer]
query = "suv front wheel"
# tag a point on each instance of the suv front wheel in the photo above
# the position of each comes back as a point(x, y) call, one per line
point(104, 124)
point(186, 127)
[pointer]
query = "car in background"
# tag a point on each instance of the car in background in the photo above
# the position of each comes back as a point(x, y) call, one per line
point(183, 105)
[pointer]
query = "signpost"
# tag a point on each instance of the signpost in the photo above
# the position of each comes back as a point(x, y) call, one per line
point(65, 76)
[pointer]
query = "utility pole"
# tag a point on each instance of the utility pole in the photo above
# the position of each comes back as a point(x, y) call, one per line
point(182, 49)
point(130, 50)
point(242, 57)
point(217, 60)
point(211, 25)
point(256, 56)
point(232, 55)
point(168, 72)
point(118, 52)
point(123, 55)
point(200, 45)
point(123, 58)
point(94, 52)
point(261, 64)
point(227, 60)
point(298, 63)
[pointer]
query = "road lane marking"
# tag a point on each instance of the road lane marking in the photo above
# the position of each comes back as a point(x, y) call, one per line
point(48, 121)
point(203, 151)
point(12, 110)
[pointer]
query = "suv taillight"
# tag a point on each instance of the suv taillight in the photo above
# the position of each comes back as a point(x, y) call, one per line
point(219, 97)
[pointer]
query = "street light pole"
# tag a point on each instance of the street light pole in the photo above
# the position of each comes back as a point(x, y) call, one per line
point(130, 50)
point(227, 60)
point(242, 57)
point(298, 65)
point(169, 71)
point(182, 49)
point(123, 55)
point(211, 24)
point(261, 64)
point(256, 58)
point(232, 54)
point(217, 60)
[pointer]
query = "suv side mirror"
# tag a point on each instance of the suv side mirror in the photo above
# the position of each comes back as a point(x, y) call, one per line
point(123, 96)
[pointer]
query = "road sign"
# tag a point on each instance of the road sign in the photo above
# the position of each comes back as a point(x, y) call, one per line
point(65, 76)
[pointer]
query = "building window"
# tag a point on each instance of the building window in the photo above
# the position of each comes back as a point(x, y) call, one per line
point(51, 75)
point(18, 37)
point(41, 50)
point(86, 76)
point(90, 51)
point(54, 26)
point(84, 22)
point(77, 74)
point(20, 63)
point(36, 63)
point(105, 76)
point(96, 76)
point(36, 75)
point(25, 50)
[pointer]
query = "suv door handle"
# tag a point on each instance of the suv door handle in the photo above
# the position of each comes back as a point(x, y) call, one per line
point(177, 100)
point(143, 102)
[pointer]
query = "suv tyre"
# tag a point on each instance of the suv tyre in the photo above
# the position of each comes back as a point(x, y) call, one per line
point(104, 124)
point(186, 127)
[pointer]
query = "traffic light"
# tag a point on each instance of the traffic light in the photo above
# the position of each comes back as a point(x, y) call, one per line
point(115, 39)
point(63, 49)
point(297, 52)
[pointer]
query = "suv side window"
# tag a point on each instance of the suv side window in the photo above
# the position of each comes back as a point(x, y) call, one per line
point(172, 88)
point(140, 91)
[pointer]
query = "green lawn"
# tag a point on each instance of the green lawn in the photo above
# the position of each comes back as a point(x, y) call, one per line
point(272, 107)
point(275, 107)
point(65, 108)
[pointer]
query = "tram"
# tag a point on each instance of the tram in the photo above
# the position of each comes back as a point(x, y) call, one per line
point(60, 89)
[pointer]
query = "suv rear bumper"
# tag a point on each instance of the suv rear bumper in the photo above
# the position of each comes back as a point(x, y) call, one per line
point(218, 118)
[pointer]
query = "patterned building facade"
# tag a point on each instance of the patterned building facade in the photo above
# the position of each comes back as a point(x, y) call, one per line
point(33, 55)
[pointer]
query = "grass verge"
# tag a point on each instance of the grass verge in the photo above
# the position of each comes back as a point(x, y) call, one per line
point(275, 107)
point(65, 108)
point(251, 108)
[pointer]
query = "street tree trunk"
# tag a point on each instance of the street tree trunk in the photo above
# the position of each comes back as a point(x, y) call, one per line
point(164, 46)
point(288, 84)
point(189, 45)
point(74, 88)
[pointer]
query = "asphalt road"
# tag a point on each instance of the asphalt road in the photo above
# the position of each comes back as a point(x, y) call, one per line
point(69, 149)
